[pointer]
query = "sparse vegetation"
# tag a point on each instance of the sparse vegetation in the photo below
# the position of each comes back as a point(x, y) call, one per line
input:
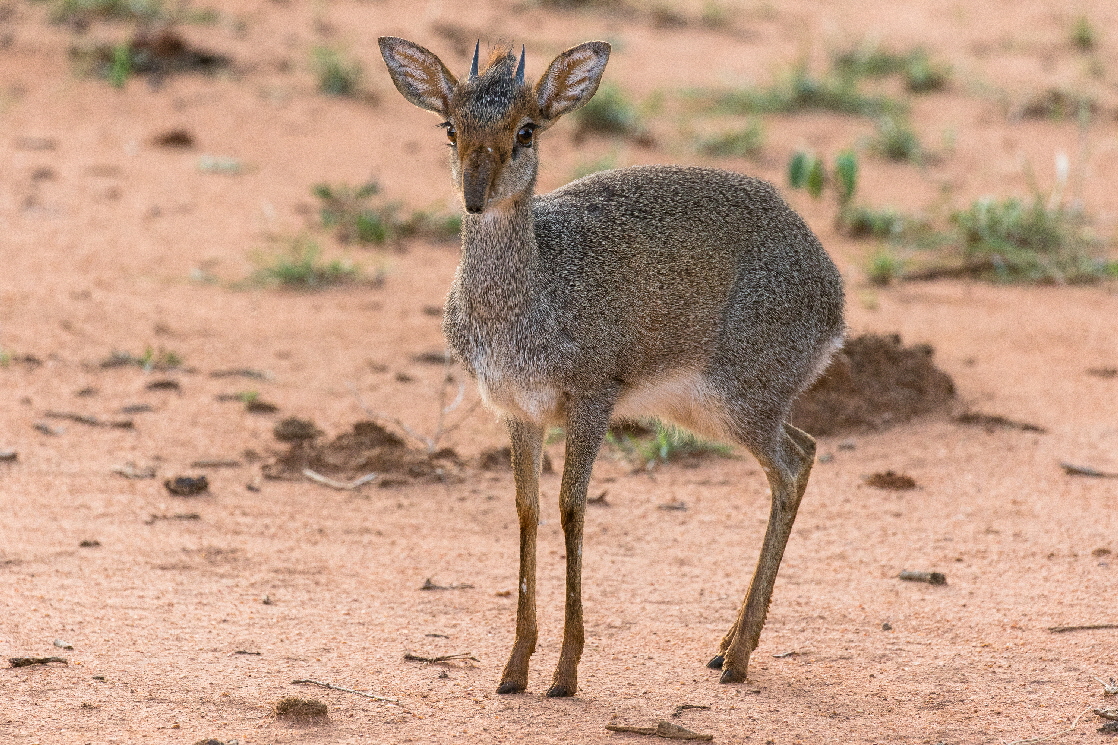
point(300, 266)
point(337, 76)
point(1012, 240)
point(884, 266)
point(1084, 37)
point(921, 74)
point(741, 143)
point(663, 443)
point(896, 140)
point(83, 12)
point(350, 212)
point(610, 112)
point(152, 359)
point(806, 171)
point(799, 91)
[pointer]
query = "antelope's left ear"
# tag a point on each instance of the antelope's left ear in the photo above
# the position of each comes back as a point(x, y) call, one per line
point(572, 79)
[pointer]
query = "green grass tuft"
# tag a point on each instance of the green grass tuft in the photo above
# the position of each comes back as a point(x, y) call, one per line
point(609, 112)
point(1012, 240)
point(337, 76)
point(884, 266)
point(300, 266)
point(800, 91)
point(921, 74)
point(896, 140)
point(666, 443)
point(1084, 37)
point(350, 212)
point(740, 143)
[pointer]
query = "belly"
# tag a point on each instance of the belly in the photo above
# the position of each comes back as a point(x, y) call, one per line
point(683, 397)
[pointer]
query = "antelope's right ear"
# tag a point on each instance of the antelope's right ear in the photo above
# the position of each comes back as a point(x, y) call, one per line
point(418, 74)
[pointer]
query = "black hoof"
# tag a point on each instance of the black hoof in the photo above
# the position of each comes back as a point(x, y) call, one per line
point(716, 662)
point(729, 676)
point(558, 691)
point(510, 687)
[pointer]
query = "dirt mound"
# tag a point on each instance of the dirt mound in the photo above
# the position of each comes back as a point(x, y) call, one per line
point(368, 448)
point(873, 383)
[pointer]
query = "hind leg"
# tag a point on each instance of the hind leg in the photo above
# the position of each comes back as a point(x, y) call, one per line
point(787, 462)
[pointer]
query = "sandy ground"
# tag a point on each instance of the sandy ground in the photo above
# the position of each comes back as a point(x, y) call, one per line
point(104, 238)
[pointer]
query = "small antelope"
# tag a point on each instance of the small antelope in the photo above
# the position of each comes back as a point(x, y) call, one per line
point(690, 294)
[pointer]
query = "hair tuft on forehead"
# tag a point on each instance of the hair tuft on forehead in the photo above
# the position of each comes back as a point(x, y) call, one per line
point(501, 60)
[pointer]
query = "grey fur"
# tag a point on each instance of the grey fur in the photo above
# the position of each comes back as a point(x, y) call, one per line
point(692, 294)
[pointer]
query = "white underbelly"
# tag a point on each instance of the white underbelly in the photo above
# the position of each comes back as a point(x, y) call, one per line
point(683, 397)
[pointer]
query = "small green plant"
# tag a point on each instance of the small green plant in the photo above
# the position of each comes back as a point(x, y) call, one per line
point(5, 358)
point(715, 15)
point(300, 266)
point(741, 143)
point(609, 112)
point(120, 69)
point(884, 266)
point(806, 171)
point(350, 212)
point(921, 74)
point(846, 176)
point(152, 359)
point(896, 140)
point(337, 76)
point(666, 443)
point(1083, 34)
point(1014, 240)
point(867, 222)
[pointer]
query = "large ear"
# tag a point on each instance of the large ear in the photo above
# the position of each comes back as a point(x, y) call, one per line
point(418, 74)
point(572, 79)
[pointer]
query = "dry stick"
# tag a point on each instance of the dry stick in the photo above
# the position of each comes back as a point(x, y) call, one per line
point(1032, 740)
point(462, 656)
point(343, 485)
point(663, 729)
point(441, 431)
point(1095, 627)
point(331, 686)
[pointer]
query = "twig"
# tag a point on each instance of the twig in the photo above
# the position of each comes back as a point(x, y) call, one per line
point(460, 657)
point(1073, 470)
point(342, 485)
point(27, 661)
point(1032, 740)
point(663, 729)
point(686, 707)
point(1094, 627)
point(331, 686)
point(429, 585)
point(431, 444)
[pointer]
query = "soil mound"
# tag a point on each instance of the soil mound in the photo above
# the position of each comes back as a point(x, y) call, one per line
point(368, 448)
point(873, 383)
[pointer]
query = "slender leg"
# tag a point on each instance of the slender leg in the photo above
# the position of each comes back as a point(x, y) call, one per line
point(587, 422)
point(788, 469)
point(527, 443)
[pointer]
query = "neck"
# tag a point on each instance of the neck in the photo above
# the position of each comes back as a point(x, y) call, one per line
point(500, 260)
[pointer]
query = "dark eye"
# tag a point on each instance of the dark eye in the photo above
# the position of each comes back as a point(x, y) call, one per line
point(525, 135)
point(452, 134)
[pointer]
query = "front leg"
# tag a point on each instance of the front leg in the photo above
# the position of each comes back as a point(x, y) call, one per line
point(587, 422)
point(527, 445)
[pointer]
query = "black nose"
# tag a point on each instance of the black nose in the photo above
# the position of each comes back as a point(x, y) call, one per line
point(475, 209)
